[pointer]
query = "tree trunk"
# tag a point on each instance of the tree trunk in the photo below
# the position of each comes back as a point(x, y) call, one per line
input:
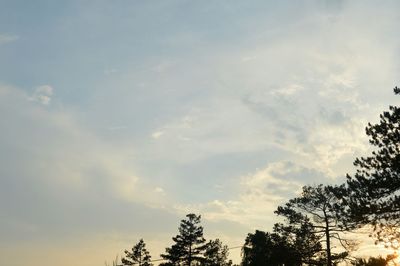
point(328, 243)
point(190, 255)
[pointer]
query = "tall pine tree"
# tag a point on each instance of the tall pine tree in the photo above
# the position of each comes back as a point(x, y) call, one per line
point(321, 204)
point(189, 245)
point(138, 256)
point(292, 245)
point(373, 191)
point(216, 254)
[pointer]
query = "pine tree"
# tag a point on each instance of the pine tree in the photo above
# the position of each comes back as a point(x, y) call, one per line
point(373, 261)
point(256, 250)
point(292, 245)
point(326, 209)
point(216, 254)
point(139, 255)
point(373, 191)
point(299, 243)
point(189, 244)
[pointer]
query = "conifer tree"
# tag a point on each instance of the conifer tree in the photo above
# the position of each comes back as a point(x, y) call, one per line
point(373, 191)
point(189, 244)
point(327, 210)
point(138, 256)
point(299, 243)
point(216, 254)
point(374, 261)
point(257, 249)
point(289, 245)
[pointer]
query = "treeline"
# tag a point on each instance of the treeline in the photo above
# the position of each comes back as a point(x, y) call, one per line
point(316, 222)
point(189, 248)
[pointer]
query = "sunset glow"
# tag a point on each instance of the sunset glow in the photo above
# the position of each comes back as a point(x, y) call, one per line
point(118, 118)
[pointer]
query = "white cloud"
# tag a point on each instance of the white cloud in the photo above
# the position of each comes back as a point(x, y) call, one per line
point(159, 190)
point(157, 134)
point(260, 193)
point(248, 58)
point(289, 90)
point(42, 94)
point(163, 66)
point(110, 71)
point(116, 128)
point(5, 38)
point(304, 92)
point(59, 152)
point(332, 143)
point(299, 90)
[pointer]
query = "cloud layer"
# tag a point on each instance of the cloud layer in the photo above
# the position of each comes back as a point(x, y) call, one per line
point(120, 117)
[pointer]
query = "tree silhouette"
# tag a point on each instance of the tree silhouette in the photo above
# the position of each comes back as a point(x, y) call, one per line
point(189, 244)
point(139, 255)
point(257, 249)
point(373, 191)
point(216, 254)
point(287, 245)
point(321, 204)
point(374, 261)
point(302, 245)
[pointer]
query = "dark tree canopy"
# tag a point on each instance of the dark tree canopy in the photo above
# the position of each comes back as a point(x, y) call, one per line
point(173, 256)
point(287, 245)
point(216, 254)
point(300, 242)
point(189, 244)
point(138, 256)
point(259, 249)
point(374, 190)
point(326, 210)
point(374, 261)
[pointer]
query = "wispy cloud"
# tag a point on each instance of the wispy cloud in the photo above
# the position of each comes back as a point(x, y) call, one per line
point(259, 195)
point(110, 71)
point(157, 134)
point(6, 38)
point(42, 94)
point(59, 153)
point(224, 117)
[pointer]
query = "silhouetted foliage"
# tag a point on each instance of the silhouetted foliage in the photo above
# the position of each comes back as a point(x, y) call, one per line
point(216, 254)
point(173, 256)
point(189, 244)
point(373, 191)
point(302, 244)
point(288, 245)
point(321, 204)
point(138, 256)
point(374, 261)
point(257, 249)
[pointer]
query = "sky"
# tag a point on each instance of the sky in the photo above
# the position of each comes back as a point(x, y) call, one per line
point(119, 117)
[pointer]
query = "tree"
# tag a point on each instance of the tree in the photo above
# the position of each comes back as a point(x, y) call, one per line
point(189, 244)
point(173, 255)
point(139, 255)
point(374, 261)
point(373, 191)
point(302, 245)
point(326, 210)
point(216, 254)
point(287, 245)
point(256, 250)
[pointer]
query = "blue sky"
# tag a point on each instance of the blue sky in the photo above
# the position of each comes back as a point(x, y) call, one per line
point(118, 117)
